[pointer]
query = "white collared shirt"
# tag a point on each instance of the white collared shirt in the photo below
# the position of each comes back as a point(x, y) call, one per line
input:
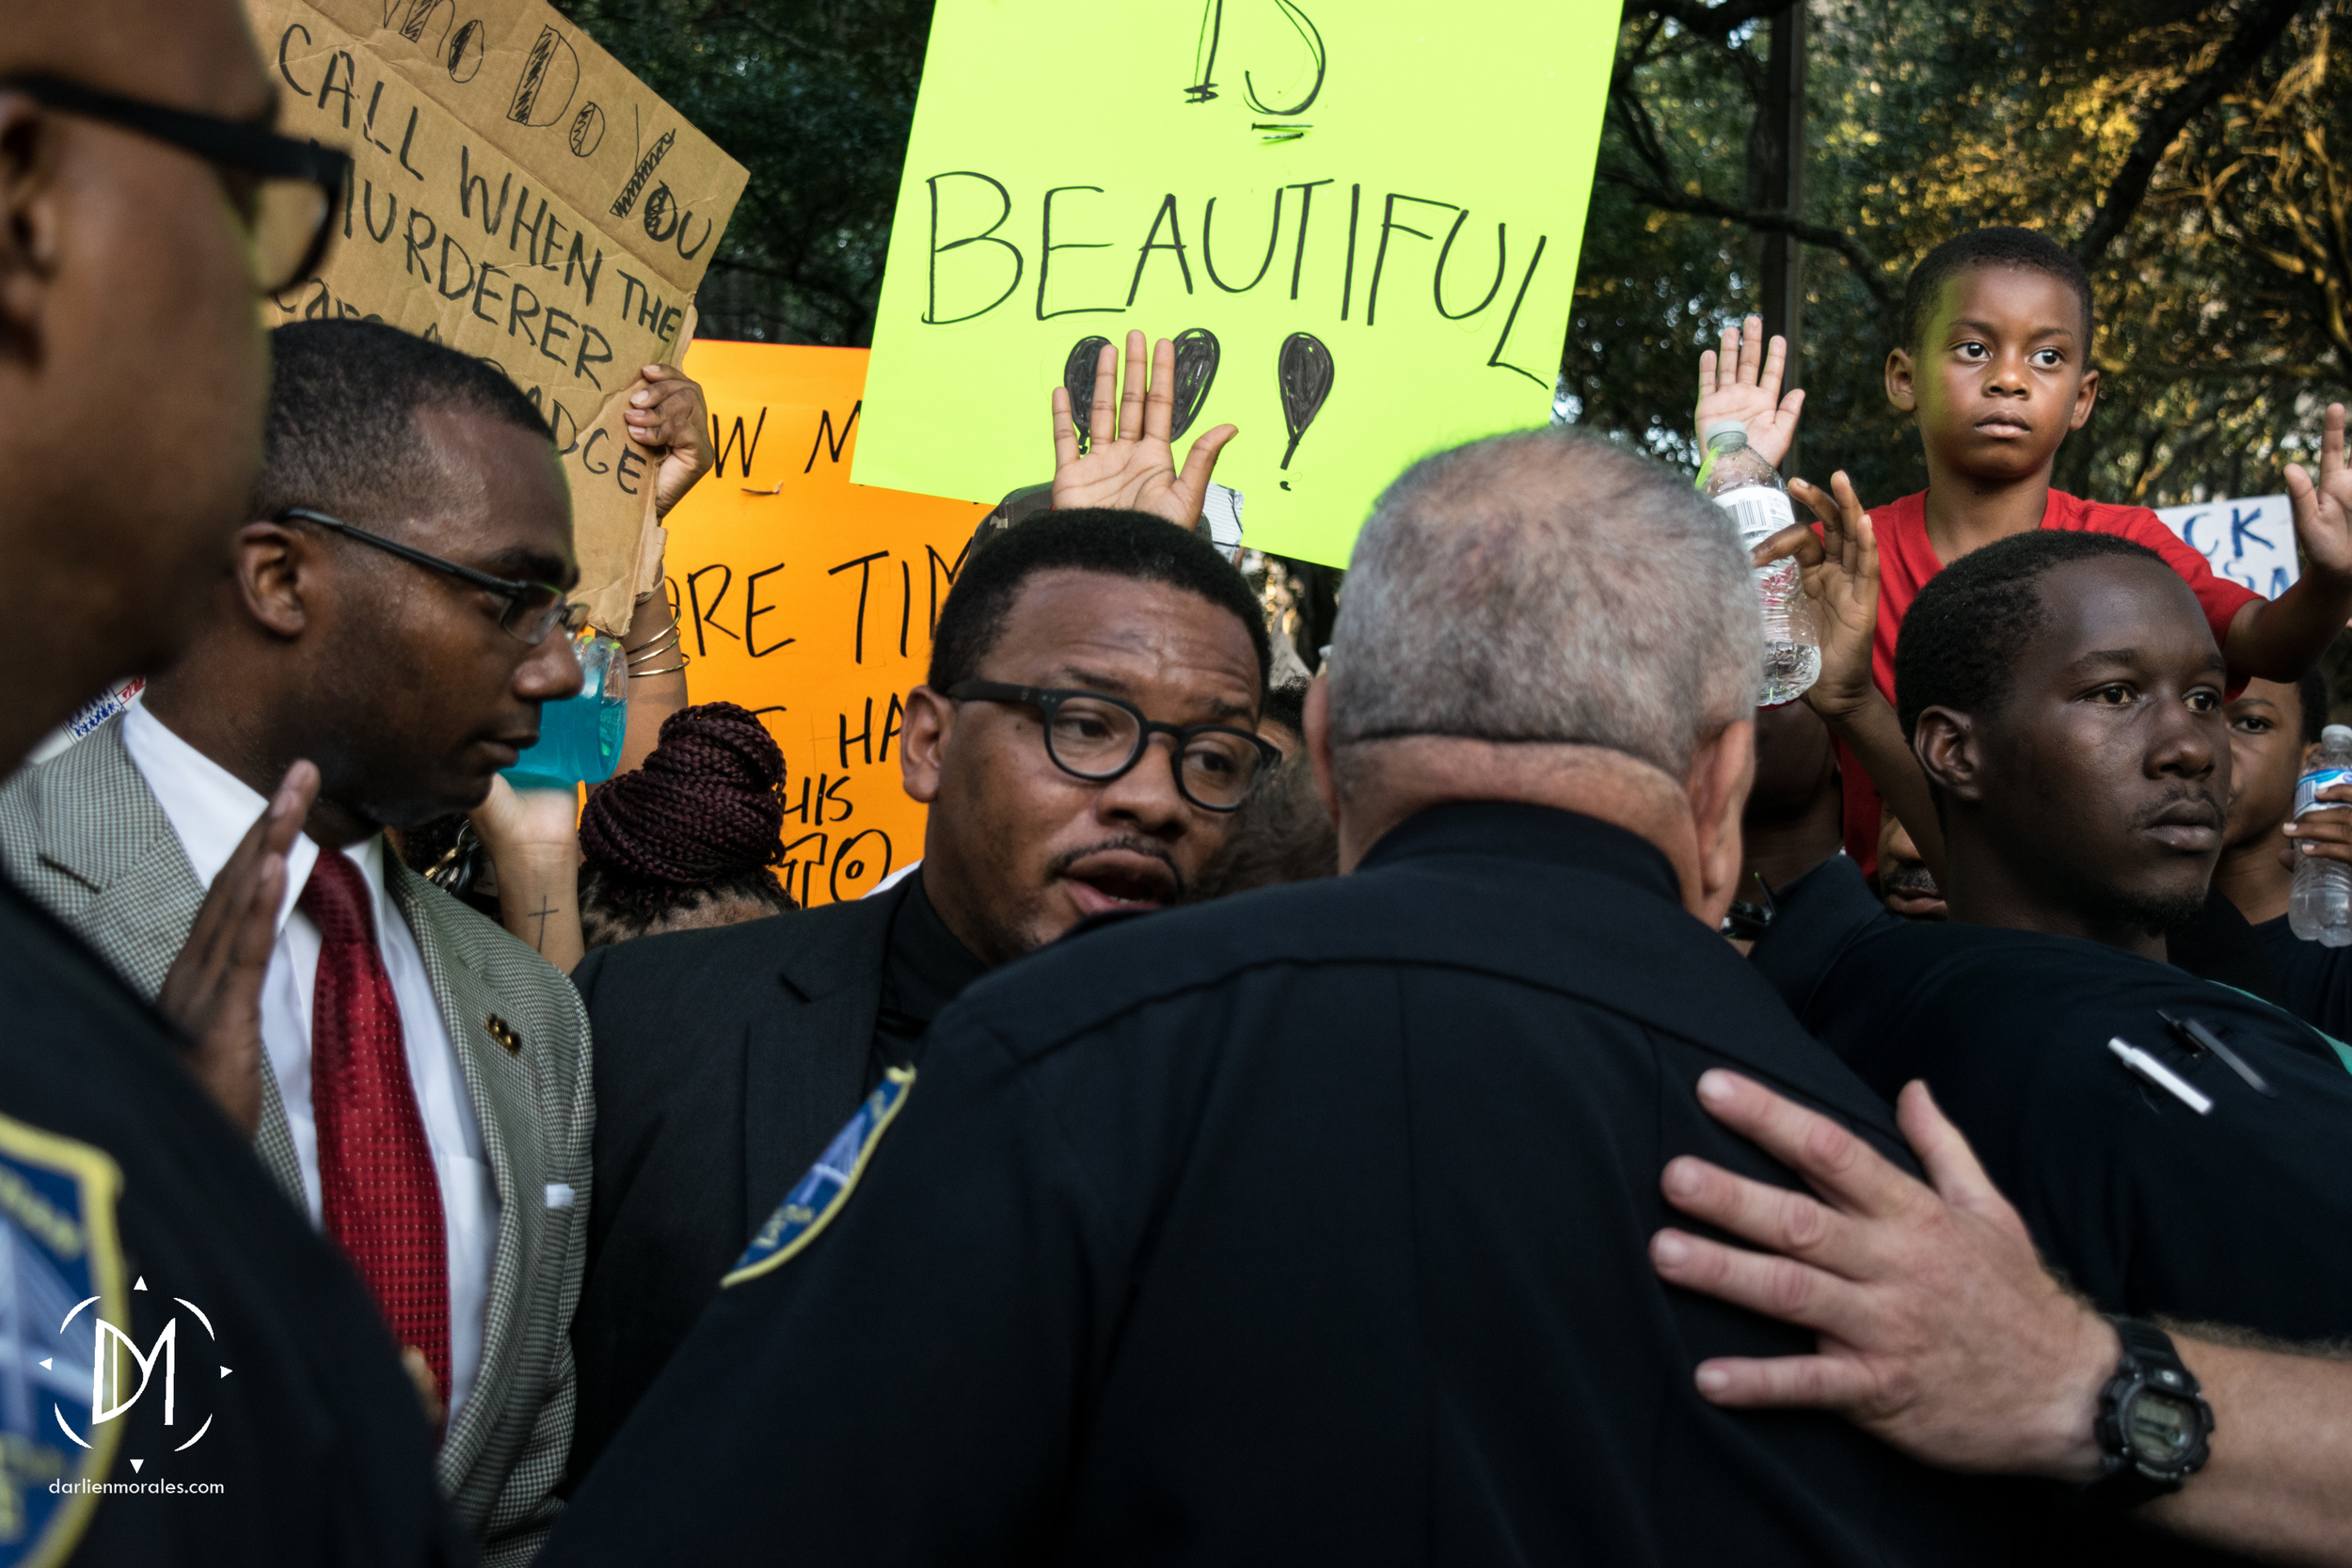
point(211, 810)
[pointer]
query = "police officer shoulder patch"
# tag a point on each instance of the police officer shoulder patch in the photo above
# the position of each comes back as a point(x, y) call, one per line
point(60, 1253)
point(813, 1201)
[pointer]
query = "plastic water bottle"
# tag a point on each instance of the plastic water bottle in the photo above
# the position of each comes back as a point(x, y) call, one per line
point(2320, 908)
point(1742, 483)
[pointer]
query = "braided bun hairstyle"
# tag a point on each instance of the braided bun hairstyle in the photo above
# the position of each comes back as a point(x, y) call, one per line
point(702, 822)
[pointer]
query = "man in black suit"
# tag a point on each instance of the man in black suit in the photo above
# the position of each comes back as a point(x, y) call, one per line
point(144, 206)
point(1311, 1226)
point(726, 1059)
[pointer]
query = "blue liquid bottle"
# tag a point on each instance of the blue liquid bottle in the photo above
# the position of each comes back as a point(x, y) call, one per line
point(580, 738)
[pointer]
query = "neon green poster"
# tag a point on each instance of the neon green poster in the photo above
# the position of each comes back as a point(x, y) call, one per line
point(1358, 218)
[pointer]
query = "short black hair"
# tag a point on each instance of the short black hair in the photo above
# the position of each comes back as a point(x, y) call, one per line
point(1988, 248)
point(1960, 640)
point(2313, 691)
point(1286, 705)
point(343, 402)
point(1133, 544)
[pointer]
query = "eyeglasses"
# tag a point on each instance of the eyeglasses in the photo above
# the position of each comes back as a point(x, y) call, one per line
point(533, 609)
point(1099, 738)
point(285, 191)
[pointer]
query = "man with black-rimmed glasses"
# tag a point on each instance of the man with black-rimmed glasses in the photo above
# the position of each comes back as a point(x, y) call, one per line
point(145, 206)
point(1086, 730)
point(392, 617)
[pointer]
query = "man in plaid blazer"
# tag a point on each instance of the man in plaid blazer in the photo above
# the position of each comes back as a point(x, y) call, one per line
point(407, 686)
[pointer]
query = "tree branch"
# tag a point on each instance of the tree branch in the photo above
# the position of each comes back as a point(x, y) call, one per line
point(1773, 221)
point(1693, 16)
point(2261, 30)
point(1621, 74)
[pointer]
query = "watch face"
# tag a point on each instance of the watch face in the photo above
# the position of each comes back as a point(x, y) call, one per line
point(2160, 1427)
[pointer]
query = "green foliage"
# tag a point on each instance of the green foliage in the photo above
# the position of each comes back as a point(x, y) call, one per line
point(814, 97)
point(2216, 356)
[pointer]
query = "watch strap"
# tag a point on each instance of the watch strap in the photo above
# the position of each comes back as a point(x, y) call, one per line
point(2149, 1361)
point(2150, 1346)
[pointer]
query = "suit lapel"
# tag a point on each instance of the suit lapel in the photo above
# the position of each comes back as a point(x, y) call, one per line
point(115, 839)
point(499, 1083)
point(111, 835)
point(806, 1058)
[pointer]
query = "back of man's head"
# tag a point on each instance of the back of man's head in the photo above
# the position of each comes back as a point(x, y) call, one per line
point(343, 406)
point(1962, 636)
point(1132, 545)
point(1545, 586)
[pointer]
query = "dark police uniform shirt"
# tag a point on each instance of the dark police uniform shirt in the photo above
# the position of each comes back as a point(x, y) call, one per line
point(1306, 1226)
point(2314, 980)
point(2236, 1216)
point(287, 1394)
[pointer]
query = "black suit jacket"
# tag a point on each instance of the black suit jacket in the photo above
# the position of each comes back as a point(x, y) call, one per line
point(726, 1060)
point(1306, 1226)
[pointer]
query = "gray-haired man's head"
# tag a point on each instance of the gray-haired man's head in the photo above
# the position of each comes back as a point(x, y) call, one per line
point(1545, 586)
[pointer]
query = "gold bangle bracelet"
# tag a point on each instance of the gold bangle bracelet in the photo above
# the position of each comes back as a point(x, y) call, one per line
point(665, 669)
point(653, 650)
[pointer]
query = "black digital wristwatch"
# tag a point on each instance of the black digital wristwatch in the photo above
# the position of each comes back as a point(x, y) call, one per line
point(2153, 1424)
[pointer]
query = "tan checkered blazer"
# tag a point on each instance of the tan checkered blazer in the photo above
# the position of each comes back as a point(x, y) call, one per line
point(83, 834)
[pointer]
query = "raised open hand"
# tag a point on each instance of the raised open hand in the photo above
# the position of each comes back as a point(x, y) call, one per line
point(2323, 510)
point(669, 415)
point(1840, 570)
point(1742, 382)
point(1130, 465)
point(214, 988)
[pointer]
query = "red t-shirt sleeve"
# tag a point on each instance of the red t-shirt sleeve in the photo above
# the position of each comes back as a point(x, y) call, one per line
point(2221, 598)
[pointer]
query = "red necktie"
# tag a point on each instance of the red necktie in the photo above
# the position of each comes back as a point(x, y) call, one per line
point(382, 1200)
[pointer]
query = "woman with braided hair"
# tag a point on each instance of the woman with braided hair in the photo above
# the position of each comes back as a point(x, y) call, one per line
point(689, 839)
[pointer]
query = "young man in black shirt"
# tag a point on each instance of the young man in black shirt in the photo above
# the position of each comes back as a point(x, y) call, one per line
point(2173, 1146)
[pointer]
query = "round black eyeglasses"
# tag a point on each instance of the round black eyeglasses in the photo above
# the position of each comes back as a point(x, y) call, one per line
point(1098, 739)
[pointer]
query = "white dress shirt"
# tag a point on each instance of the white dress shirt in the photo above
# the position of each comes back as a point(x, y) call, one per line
point(211, 810)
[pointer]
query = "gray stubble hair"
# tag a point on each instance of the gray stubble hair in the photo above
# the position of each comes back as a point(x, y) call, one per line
point(1545, 586)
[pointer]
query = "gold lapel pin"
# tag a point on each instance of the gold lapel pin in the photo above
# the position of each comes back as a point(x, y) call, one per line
point(504, 1033)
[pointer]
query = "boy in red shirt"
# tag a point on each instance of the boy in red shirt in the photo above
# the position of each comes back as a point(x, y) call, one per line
point(1994, 362)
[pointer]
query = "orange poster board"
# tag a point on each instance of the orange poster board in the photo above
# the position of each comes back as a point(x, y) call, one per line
point(810, 600)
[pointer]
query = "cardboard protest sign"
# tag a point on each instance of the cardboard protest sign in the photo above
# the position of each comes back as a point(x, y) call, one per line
point(811, 601)
point(519, 196)
point(1404, 194)
point(2250, 541)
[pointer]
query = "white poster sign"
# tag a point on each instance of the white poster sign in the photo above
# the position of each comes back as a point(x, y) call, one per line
point(2250, 541)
